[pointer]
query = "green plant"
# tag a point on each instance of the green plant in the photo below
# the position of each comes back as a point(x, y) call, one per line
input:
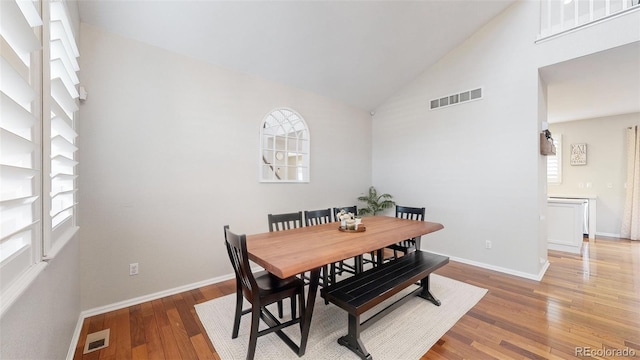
point(375, 203)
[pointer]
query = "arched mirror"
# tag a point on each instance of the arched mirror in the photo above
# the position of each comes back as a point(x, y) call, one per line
point(284, 147)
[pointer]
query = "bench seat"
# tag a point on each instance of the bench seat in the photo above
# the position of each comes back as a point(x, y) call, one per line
point(365, 290)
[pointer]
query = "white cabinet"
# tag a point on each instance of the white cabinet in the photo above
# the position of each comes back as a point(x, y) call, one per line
point(590, 214)
point(565, 219)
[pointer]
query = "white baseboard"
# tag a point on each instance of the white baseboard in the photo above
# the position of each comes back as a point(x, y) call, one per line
point(566, 248)
point(607, 234)
point(154, 296)
point(536, 277)
point(75, 338)
point(135, 301)
point(543, 270)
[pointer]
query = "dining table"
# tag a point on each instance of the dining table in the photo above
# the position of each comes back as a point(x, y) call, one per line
point(292, 252)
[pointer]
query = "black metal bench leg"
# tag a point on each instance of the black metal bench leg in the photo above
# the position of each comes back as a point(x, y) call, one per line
point(352, 339)
point(426, 293)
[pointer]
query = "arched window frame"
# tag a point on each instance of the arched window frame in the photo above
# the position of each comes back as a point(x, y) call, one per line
point(285, 144)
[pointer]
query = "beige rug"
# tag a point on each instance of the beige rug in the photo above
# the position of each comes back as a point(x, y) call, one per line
point(406, 333)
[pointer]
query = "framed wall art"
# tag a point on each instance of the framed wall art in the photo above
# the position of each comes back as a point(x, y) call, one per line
point(578, 154)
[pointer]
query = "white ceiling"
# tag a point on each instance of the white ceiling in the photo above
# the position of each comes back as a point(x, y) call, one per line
point(358, 52)
point(598, 85)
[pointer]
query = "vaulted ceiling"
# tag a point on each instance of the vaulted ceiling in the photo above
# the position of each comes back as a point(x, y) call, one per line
point(358, 52)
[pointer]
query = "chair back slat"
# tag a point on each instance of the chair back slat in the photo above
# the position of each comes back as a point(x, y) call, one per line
point(237, 250)
point(411, 213)
point(278, 222)
point(317, 217)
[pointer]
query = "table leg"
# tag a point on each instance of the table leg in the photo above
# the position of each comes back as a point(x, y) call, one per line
point(359, 264)
point(308, 311)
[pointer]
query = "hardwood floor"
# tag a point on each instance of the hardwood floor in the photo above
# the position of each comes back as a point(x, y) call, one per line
point(588, 303)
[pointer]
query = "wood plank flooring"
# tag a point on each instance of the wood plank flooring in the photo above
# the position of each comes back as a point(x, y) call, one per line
point(588, 303)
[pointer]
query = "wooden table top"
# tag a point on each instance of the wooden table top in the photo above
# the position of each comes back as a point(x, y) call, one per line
point(291, 252)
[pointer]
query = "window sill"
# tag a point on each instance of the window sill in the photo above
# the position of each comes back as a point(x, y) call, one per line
point(21, 284)
point(60, 243)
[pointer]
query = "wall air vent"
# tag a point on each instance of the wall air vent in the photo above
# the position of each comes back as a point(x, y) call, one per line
point(455, 99)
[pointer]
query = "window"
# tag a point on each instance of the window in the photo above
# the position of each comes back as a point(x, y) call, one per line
point(20, 155)
point(37, 211)
point(63, 54)
point(554, 162)
point(284, 147)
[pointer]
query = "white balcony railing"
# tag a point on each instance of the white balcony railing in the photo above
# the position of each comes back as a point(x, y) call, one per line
point(559, 16)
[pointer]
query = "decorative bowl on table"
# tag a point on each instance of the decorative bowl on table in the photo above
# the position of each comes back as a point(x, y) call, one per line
point(359, 229)
point(349, 222)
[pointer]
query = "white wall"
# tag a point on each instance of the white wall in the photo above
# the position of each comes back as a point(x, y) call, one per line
point(606, 165)
point(476, 167)
point(170, 155)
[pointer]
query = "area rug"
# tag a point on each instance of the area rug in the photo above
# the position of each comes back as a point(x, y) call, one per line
point(405, 333)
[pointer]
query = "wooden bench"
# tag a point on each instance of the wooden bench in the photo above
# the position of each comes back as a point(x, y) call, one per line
point(367, 289)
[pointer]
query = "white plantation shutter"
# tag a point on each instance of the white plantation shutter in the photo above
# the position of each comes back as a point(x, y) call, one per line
point(63, 105)
point(554, 162)
point(20, 145)
point(37, 139)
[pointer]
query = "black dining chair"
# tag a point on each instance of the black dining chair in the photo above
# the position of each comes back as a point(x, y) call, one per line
point(261, 289)
point(318, 217)
point(408, 245)
point(362, 259)
point(285, 221)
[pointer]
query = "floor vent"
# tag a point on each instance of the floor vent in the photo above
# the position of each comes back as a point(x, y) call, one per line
point(454, 99)
point(96, 341)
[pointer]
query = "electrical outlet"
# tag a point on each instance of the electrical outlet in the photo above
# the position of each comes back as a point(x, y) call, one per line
point(133, 269)
point(487, 244)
